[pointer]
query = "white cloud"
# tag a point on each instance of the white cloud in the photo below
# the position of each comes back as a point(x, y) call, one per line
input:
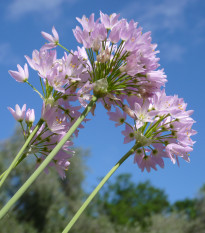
point(7, 56)
point(172, 52)
point(162, 17)
point(154, 15)
point(47, 8)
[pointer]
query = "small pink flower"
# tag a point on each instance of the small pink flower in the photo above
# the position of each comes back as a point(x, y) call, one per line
point(21, 75)
point(174, 151)
point(55, 120)
point(19, 114)
point(109, 21)
point(84, 95)
point(30, 116)
point(129, 134)
point(52, 39)
point(117, 116)
point(145, 162)
point(142, 114)
point(88, 24)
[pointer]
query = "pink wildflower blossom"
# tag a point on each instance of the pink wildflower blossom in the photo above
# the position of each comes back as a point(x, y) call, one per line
point(21, 75)
point(117, 116)
point(162, 129)
point(52, 39)
point(18, 113)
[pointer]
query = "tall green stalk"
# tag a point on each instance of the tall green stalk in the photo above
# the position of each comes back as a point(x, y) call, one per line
point(97, 189)
point(1, 176)
point(48, 159)
point(18, 156)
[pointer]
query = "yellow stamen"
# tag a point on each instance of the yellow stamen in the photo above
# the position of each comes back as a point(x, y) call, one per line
point(58, 120)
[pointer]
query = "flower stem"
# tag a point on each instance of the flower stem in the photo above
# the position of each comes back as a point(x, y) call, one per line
point(1, 176)
point(48, 159)
point(96, 190)
point(15, 161)
point(65, 49)
point(35, 90)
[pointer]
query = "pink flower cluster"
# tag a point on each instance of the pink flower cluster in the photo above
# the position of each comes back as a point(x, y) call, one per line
point(117, 63)
point(129, 55)
point(162, 129)
point(44, 142)
point(47, 137)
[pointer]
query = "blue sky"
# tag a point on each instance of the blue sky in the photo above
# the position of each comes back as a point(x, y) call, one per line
point(178, 27)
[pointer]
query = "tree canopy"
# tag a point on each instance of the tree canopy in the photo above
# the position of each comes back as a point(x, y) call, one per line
point(122, 206)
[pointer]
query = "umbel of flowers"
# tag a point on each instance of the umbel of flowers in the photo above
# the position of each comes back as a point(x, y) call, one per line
point(117, 66)
point(162, 128)
point(116, 63)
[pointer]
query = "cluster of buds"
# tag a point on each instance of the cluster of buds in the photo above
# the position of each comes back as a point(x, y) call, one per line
point(104, 56)
point(117, 63)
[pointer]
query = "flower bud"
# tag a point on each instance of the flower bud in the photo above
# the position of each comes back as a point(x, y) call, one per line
point(122, 69)
point(30, 116)
point(126, 109)
point(96, 45)
point(104, 56)
point(93, 110)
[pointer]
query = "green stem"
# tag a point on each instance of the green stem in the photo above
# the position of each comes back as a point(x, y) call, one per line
point(96, 190)
point(15, 161)
point(19, 161)
point(35, 90)
point(2, 174)
point(23, 131)
point(48, 159)
point(65, 48)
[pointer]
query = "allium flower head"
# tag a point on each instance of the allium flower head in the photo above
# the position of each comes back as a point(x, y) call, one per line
point(162, 129)
point(118, 64)
point(119, 52)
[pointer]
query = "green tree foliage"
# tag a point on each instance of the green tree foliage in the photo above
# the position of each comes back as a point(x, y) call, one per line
point(48, 204)
point(187, 206)
point(127, 203)
point(121, 207)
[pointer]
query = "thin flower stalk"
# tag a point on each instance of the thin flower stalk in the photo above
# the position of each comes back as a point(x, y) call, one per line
point(97, 189)
point(19, 155)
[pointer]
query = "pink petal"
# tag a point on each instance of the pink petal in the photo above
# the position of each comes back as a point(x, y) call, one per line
point(47, 36)
point(55, 34)
point(26, 70)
